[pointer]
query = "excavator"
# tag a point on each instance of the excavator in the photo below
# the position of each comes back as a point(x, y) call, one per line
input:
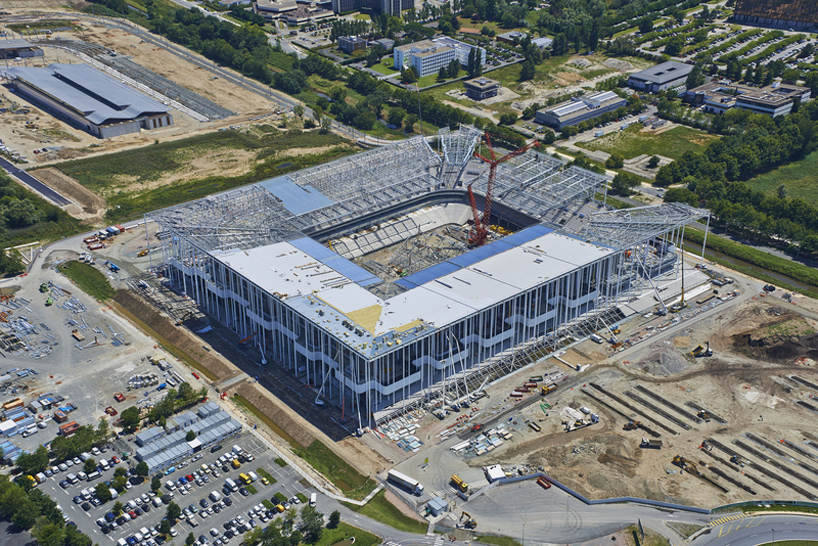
point(685, 464)
point(632, 425)
point(470, 522)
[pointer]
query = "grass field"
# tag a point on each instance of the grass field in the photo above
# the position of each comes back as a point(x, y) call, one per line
point(380, 509)
point(251, 489)
point(499, 541)
point(281, 462)
point(124, 177)
point(344, 533)
point(347, 479)
point(264, 474)
point(798, 177)
point(385, 67)
point(241, 401)
point(89, 279)
point(633, 142)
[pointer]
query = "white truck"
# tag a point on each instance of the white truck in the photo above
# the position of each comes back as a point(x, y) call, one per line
point(215, 496)
point(231, 484)
point(410, 484)
point(253, 476)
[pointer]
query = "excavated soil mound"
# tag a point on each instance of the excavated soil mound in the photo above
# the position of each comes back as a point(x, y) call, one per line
point(786, 339)
point(788, 350)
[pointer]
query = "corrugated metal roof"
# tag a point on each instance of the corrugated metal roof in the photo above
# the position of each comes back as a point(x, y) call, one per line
point(15, 43)
point(100, 98)
point(296, 199)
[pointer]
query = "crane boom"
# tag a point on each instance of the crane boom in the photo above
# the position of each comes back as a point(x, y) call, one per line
point(480, 234)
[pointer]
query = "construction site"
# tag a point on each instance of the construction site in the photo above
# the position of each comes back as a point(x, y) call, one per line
point(407, 277)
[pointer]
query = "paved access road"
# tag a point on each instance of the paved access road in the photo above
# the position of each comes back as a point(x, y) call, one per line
point(35, 185)
point(761, 529)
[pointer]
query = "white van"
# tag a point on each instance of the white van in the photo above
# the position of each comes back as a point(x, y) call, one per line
point(313, 498)
point(72, 478)
point(104, 464)
point(215, 496)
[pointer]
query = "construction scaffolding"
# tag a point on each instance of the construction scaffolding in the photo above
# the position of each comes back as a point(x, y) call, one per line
point(383, 307)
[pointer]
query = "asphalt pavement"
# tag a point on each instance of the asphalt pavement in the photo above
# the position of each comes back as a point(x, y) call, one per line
point(760, 529)
point(34, 184)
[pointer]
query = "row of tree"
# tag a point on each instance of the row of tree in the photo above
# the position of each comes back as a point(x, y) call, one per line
point(716, 177)
point(28, 508)
point(174, 401)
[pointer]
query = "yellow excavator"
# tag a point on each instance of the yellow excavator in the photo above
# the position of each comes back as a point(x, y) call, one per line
point(470, 522)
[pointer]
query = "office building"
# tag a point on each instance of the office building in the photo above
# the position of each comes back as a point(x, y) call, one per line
point(579, 109)
point(661, 77)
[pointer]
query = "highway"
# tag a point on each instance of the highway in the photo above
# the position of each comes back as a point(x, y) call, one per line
point(35, 185)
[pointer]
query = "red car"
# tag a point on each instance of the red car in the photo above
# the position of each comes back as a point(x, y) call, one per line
point(132, 514)
point(189, 477)
point(115, 460)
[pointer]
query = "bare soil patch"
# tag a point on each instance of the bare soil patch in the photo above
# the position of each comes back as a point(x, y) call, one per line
point(91, 203)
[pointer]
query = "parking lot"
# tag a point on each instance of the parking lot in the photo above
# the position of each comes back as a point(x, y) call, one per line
point(287, 483)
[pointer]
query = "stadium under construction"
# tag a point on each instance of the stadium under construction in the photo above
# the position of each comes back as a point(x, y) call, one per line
point(388, 279)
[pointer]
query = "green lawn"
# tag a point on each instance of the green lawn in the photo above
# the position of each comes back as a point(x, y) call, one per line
point(89, 279)
point(302, 497)
point(347, 479)
point(264, 474)
point(251, 489)
point(279, 497)
point(122, 177)
point(380, 509)
point(499, 541)
point(281, 462)
point(267, 504)
point(385, 67)
point(633, 142)
point(344, 533)
point(797, 177)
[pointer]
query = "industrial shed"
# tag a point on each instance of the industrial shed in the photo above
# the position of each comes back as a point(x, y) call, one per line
point(88, 99)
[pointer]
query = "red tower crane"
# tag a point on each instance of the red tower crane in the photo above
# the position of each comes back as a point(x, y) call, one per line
point(479, 233)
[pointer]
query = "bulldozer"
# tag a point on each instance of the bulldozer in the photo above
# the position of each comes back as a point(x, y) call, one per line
point(470, 522)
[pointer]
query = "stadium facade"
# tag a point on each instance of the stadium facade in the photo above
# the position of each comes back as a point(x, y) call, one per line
point(286, 264)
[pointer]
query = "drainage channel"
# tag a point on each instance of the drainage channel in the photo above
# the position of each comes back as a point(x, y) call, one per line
point(637, 411)
point(773, 462)
point(728, 464)
point(781, 452)
point(804, 382)
point(669, 404)
point(759, 468)
point(808, 406)
point(720, 473)
point(713, 416)
point(658, 410)
point(616, 411)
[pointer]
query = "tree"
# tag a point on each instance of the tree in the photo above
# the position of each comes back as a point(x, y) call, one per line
point(653, 162)
point(103, 492)
point(326, 125)
point(32, 463)
point(560, 45)
point(313, 523)
point(374, 56)
point(334, 519)
point(474, 66)
point(616, 161)
point(156, 484)
point(118, 507)
point(409, 75)
point(396, 115)
point(645, 24)
point(120, 471)
point(20, 213)
point(191, 435)
point(674, 45)
point(142, 469)
point(25, 513)
point(681, 195)
point(119, 483)
point(130, 418)
point(89, 465)
point(173, 512)
point(164, 526)
point(623, 183)
point(190, 539)
point(696, 77)
point(528, 70)
point(298, 110)
point(442, 74)
point(411, 119)
point(508, 119)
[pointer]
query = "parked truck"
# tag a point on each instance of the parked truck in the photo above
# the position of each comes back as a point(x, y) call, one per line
point(404, 481)
point(459, 483)
point(651, 444)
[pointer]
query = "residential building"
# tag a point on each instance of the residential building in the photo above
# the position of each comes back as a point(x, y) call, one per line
point(349, 44)
point(428, 56)
point(661, 77)
point(481, 88)
point(579, 109)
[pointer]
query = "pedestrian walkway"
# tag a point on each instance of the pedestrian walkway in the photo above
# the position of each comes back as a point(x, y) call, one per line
point(725, 519)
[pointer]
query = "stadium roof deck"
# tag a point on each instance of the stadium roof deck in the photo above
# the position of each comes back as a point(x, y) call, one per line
point(100, 98)
point(251, 230)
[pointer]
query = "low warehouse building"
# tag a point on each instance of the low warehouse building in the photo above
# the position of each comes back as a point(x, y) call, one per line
point(579, 109)
point(11, 49)
point(661, 77)
point(88, 99)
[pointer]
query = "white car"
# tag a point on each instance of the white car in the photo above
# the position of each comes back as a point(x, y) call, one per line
point(214, 532)
point(173, 532)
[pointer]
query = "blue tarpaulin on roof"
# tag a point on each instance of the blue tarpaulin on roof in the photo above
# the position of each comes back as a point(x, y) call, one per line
point(353, 272)
point(427, 275)
point(296, 199)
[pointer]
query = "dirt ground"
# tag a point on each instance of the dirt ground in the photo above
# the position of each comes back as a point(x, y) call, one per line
point(90, 206)
point(62, 141)
point(746, 383)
